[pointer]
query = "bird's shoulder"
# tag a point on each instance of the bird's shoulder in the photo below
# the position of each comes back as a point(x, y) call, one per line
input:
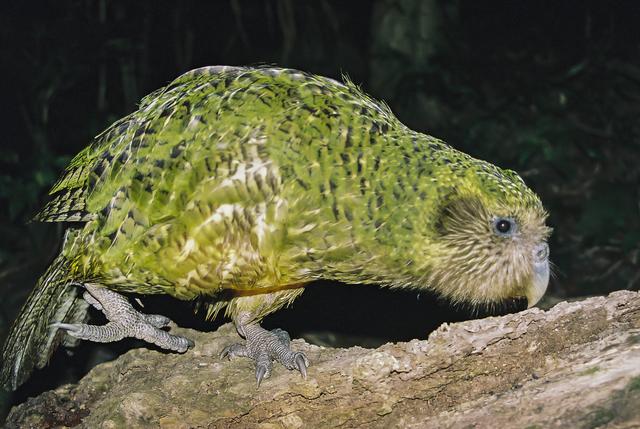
point(207, 122)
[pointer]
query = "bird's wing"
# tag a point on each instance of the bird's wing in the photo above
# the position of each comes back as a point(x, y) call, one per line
point(117, 146)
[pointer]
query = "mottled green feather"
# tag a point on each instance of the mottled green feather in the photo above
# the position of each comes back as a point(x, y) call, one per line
point(241, 184)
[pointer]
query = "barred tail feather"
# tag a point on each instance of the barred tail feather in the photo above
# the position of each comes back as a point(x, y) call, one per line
point(32, 340)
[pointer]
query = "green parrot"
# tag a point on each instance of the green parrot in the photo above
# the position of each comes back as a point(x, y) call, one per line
point(239, 185)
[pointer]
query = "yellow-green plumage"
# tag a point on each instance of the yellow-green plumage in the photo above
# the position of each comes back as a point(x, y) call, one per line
point(251, 180)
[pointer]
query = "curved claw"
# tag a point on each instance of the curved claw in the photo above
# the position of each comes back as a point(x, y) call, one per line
point(233, 350)
point(302, 363)
point(70, 328)
point(225, 353)
point(261, 373)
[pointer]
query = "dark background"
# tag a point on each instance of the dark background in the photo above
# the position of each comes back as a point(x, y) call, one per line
point(550, 89)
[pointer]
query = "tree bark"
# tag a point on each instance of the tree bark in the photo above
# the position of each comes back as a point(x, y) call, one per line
point(576, 365)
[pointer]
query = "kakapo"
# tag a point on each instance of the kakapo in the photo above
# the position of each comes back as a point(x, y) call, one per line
point(239, 185)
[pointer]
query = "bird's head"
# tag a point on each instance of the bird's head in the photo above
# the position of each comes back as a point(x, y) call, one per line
point(491, 240)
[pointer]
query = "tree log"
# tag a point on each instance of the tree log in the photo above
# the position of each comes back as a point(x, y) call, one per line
point(575, 365)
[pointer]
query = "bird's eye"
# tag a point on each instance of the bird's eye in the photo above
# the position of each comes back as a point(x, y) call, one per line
point(504, 226)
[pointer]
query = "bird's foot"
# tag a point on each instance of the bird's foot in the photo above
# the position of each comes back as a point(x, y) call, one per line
point(124, 321)
point(264, 347)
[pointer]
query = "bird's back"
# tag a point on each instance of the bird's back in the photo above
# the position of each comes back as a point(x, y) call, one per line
point(185, 195)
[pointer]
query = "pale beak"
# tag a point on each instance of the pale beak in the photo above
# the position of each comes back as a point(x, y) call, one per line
point(540, 274)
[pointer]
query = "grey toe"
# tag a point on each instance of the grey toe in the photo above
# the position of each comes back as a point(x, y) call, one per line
point(157, 320)
point(234, 350)
point(282, 335)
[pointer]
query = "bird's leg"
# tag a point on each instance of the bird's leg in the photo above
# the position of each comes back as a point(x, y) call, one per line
point(264, 347)
point(124, 321)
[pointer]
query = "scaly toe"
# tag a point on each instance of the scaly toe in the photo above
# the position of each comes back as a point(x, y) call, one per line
point(234, 350)
point(149, 333)
point(70, 328)
point(295, 360)
point(282, 335)
point(156, 320)
point(185, 343)
point(263, 367)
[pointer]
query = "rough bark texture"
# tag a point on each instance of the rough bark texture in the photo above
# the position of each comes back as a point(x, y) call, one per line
point(576, 365)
